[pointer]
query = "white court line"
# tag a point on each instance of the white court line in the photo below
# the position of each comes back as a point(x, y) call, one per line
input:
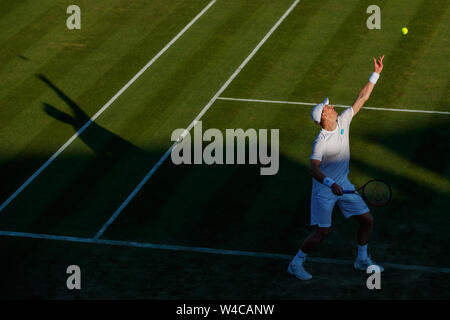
point(336, 105)
point(202, 112)
point(89, 122)
point(169, 247)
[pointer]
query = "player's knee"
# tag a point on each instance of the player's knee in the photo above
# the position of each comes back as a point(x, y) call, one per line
point(366, 220)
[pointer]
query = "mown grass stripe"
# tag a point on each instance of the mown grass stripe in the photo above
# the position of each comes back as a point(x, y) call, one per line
point(194, 122)
point(325, 70)
point(281, 54)
point(408, 51)
point(95, 116)
point(59, 58)
point(9, 6)
point(13, 13)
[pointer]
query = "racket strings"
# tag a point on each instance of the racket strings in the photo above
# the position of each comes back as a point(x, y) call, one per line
point(377, 192)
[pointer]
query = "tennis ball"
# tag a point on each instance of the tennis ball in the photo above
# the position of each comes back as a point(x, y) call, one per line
point(404, 31)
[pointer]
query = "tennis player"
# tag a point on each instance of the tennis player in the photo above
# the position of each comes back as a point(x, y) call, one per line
point(329, 166)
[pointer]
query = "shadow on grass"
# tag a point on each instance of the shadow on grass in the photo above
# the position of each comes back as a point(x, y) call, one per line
point(229, 207)
point(218, 206)
point(98, 138)
point(78, 192)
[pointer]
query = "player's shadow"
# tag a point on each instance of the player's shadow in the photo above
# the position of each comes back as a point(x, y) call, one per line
point(110, 172)
point(101, 140)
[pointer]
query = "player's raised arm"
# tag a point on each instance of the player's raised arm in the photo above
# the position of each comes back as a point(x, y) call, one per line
point(365, 92)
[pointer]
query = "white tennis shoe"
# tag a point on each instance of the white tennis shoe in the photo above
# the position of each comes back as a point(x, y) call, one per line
point(364, 264)
point(296, 269)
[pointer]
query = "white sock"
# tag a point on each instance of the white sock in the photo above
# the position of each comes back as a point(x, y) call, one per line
point(362, 252)
point(301, 254)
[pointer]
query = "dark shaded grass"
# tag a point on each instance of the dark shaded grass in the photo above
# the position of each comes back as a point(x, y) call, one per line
point(136, 273)
point(69, 204)
point(414, 144)
point(62, 202)
point(132, 273)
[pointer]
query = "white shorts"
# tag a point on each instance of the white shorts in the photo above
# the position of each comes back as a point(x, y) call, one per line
point(323, 201)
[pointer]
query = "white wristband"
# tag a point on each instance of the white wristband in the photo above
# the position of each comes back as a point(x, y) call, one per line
point(374, 77)
point(328, 182)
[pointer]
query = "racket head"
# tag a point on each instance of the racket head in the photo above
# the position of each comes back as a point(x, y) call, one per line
point(377, 192)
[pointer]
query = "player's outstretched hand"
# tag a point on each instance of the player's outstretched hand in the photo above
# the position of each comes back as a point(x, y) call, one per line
point(337, 189)
point(378, 64)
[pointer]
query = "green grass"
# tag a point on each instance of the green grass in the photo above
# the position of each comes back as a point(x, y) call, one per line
point(52, 80)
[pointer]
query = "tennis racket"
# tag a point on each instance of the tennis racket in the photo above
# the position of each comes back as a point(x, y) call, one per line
point(376, 192)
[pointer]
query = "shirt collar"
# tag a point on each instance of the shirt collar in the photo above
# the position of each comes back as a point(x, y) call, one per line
point(335, 129)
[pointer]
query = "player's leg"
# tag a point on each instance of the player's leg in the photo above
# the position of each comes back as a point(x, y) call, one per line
point(321, 210)
point(365, 225)
point(352, 205)
point(309, 244)
point(314, 239)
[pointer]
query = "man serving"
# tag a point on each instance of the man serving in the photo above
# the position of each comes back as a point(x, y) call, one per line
point(329, 166)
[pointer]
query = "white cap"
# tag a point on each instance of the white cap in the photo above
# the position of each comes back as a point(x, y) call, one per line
point(316, 113)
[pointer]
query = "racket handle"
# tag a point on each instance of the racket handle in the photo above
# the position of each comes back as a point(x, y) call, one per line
point(349, 191)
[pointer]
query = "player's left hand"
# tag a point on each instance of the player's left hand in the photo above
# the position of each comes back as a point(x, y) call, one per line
point(378, 64)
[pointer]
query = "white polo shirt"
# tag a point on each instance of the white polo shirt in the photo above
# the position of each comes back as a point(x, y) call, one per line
point(332, 148)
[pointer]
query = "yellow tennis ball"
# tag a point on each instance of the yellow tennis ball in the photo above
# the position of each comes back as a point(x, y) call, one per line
point(404, 30)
